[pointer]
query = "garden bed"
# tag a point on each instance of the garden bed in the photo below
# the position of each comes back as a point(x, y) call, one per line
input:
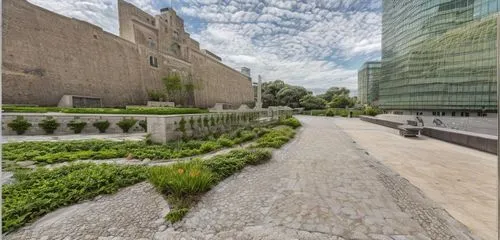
point(130, 110)
point(37, 192)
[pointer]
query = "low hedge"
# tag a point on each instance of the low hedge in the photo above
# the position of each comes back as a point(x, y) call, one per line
point(132, 110)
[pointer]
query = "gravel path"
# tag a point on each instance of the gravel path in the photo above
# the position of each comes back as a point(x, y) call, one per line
point(320, 186)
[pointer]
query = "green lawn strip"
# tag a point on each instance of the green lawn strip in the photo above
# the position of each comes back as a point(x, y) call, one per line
point(131, 110)
point(55, 152)
point(35, 193)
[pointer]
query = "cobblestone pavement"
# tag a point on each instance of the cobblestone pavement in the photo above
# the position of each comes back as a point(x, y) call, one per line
point(135, 212)
point(321, 186)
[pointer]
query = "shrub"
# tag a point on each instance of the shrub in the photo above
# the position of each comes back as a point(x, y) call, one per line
point(126, 123)
point(38, 192)
point(156, 95)
point(292, 122)
point(182, 179)
point(49, 125)
point(261, 131)
point(372, 111)
point(225, 142)
point(77, 125)
point(144, 125)
point(51, 152)
point(19, 125)
point(129, 110)
point(258, 156)
point(101, 125)
point(275, 138)
point(209, 146)
point(176, 214)
point(330, 113)
point(224, 166)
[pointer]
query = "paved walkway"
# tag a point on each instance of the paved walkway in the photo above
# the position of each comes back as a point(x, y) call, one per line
point(134, 213)
point(321, 186)
point(460, 179)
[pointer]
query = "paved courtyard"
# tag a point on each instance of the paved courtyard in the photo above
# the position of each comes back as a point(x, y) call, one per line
point(323, 185)
point(462, 180)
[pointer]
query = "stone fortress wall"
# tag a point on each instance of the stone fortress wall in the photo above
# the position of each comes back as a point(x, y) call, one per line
point(46, 56)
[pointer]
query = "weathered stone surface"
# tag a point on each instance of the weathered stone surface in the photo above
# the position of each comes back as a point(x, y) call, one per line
point(320, 186)
point(133, 213)
point(46, 56)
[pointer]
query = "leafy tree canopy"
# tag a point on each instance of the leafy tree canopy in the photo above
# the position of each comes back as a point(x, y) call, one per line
point(333, 92)
point(312, 102)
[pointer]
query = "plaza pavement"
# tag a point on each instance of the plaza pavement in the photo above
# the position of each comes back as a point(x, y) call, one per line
point(462, 180)
point(322, 185)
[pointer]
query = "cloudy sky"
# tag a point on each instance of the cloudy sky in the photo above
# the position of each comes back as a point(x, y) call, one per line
point(313, 43)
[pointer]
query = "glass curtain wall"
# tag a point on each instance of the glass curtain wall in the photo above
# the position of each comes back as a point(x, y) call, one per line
point(439, 55)
point(368, 81)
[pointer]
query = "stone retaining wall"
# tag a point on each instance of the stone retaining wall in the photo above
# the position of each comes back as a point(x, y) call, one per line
point(167, 128)
point(482, 142)
point(64, 119)
point(162, 127)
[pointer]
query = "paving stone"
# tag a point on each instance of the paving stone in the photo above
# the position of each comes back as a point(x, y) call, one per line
point(320, 186)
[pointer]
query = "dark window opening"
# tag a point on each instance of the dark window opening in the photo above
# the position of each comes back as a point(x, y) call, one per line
point(153, 61)
point(466, 114)
point(443, 114)
point(452, 114)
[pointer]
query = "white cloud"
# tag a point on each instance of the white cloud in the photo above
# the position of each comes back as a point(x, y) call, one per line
point(302, 43)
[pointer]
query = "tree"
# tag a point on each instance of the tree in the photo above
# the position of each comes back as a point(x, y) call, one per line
point(333, 92)
point(290, 96)
point(341, 101)
point(312, 102)
point(173, 86)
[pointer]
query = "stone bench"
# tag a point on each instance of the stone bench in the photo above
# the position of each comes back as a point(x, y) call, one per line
point(409, 130)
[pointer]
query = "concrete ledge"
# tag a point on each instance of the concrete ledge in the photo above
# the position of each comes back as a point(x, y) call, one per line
point(482, 142)
point(382, 122)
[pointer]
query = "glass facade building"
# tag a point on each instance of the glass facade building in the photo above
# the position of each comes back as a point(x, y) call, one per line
point(439, 55)
point(368, 80)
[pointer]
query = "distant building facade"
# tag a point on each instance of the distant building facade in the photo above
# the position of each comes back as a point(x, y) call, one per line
point(368, 81)
point(439, 56)
point(46, 56)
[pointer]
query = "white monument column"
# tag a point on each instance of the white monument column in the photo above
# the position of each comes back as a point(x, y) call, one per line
point(258, 104)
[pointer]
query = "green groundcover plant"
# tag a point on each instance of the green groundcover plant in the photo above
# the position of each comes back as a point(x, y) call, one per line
point(132, 110)
point(54, 152)
point(184, 182)
point(38, 192)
